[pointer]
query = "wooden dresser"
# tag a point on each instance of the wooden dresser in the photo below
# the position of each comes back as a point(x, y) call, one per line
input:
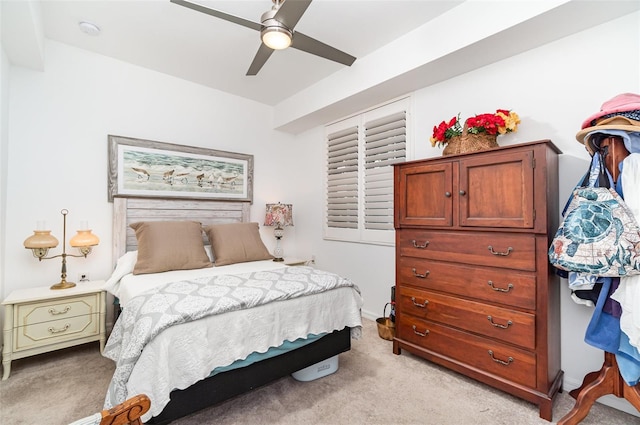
point(474, 290)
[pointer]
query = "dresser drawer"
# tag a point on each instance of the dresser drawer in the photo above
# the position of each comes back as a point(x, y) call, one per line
point(513, 251)
point(503, 286)
point(507, 325)
point(54, 331)
point(505, 361)
point(38, 312)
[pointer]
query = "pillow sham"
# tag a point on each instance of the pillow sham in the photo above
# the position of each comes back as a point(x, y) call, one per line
point(236, 243)
point(169, 245)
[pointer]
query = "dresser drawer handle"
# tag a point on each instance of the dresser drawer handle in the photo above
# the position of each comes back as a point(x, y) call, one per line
point(509, 287)
point(420, 246)
point(57, 331)
point(504, 254)
point(415, 331)
point(423, 305)
point(502, 362)
point(55, 312)
point(498, 325)
point(421, 276)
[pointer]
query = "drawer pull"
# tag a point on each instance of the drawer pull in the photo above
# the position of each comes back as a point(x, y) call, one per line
point(462, 192)
point(421, 276)
point(415, 331)
point(423, 305)
point(498, 325)
point(421, 246)
point(504, 254)
point(57, 331)
point(502, 362)
point(509, 287)
point(55, 312)
point(447, 194)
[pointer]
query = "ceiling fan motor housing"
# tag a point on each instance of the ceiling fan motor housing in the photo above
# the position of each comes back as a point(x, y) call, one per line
point(274, 33)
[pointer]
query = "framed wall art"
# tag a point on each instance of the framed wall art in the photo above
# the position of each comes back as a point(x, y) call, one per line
point(146, 168)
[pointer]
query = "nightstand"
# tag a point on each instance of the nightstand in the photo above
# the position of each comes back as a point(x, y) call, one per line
point(38, 320)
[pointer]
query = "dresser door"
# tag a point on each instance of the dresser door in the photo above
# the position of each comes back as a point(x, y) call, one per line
point(424, 195)
point(497, 190)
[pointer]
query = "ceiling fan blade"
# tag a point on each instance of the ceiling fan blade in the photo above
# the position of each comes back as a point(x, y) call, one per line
point(291, 11)
point(235, 19)
point(260, 58)
point(318, 48)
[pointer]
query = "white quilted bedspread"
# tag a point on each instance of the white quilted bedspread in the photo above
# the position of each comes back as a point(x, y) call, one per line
point(185, 353)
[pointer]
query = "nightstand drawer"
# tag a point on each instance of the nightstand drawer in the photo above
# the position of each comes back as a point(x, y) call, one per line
point(54, 331)
point(32, 313)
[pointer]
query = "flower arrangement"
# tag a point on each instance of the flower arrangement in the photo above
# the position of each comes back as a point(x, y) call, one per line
point(503, 121)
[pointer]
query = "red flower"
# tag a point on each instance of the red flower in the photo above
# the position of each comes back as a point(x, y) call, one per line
point(485, 123)
point(446, 130)
point(501, 122)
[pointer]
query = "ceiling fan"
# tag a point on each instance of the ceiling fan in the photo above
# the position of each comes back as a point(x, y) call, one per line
point(276, 31)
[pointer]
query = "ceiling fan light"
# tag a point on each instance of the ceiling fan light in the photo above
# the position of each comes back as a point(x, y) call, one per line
point(276, 38)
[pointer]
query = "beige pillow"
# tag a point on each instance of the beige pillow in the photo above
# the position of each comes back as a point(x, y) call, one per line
point(169, 245)
point(236, 243)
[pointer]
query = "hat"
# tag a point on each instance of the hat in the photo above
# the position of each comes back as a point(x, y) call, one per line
point(622, 112)
point(621, 103)
point(617, 122)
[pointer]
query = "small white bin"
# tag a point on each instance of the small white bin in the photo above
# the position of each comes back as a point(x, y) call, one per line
point(318, 370)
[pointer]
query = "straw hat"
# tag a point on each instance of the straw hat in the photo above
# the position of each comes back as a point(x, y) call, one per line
point(619, 113)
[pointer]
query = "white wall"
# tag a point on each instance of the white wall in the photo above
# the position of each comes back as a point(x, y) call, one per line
point(553, 88)
point(4, 143)
point(57, 130)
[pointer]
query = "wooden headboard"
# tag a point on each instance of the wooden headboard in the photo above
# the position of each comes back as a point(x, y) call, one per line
point(131, 210)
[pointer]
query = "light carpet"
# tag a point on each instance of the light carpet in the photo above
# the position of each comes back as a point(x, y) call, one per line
point(372, 386)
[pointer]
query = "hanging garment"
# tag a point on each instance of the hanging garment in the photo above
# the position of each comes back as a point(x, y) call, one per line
point(603, 331)
point(628, 293)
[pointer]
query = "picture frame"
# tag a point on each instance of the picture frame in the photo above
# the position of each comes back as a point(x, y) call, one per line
point(151, 169)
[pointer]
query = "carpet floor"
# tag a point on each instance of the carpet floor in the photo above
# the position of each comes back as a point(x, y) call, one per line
point(372, 386)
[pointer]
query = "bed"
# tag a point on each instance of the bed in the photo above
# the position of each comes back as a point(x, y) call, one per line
point(185, 365)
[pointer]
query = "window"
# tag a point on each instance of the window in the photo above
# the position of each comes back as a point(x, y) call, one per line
point(359, 186)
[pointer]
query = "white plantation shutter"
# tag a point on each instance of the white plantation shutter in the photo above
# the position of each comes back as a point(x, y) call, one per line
point(359, 185)
point(385, 144)
point(342, 179)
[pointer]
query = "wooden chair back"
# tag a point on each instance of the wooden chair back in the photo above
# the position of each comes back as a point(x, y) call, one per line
point(128, 412)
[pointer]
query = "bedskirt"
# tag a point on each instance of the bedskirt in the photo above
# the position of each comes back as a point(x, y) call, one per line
point(225, 385)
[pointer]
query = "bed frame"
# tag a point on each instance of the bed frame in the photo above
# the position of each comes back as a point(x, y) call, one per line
point(223, 386)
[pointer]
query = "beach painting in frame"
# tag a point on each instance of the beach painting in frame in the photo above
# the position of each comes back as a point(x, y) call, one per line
point(147, 168)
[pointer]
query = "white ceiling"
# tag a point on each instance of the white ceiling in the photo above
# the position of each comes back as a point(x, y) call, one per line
point(400, 45)
point(178, 41)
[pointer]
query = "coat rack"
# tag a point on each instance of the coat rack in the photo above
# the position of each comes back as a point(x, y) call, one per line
point(596, 384)
point(608, 379)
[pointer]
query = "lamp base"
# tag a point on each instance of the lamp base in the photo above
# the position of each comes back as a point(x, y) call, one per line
point(63, 285)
